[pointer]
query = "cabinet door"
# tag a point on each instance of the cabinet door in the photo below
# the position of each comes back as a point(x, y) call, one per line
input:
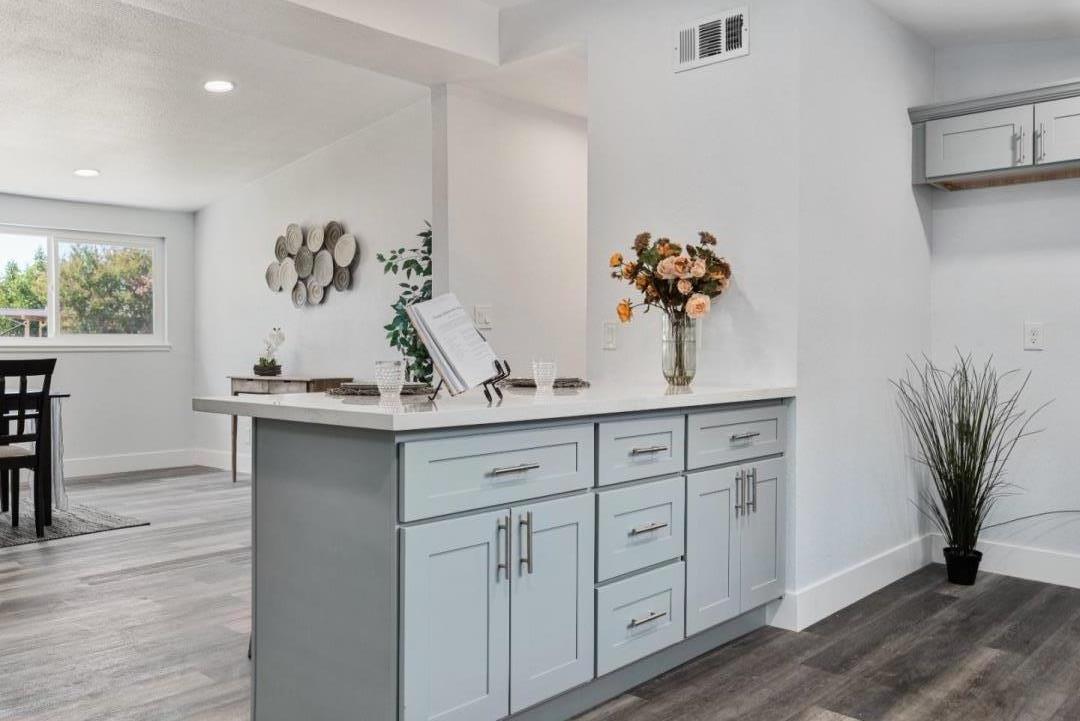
point(981, 141)
point(762, 528)
point(712, 548)
point(455, 621)
point(1057, 131)
point(551, 634)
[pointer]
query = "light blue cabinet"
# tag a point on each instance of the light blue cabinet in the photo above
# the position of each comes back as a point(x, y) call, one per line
point(497, 610)
point(734, 541)
point(456, 619)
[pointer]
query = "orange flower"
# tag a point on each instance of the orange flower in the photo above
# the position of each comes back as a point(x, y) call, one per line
point(641, 281)
point(698, 305)
point(616, 260)
point(625, 311)
point(629, 270)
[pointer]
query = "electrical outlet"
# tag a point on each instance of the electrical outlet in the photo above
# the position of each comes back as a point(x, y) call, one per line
point(610, 335)
point(483, 316)
point(1034, 336)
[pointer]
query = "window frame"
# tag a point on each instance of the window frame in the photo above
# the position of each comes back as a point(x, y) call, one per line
point(57, 340)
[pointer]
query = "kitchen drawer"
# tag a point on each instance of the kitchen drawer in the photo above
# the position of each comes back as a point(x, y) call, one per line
point(639, 616)
point(639, 526)
point(289, 387)
point(446, 475)
point(726, 436)
point(249, 386)
point(629, 450)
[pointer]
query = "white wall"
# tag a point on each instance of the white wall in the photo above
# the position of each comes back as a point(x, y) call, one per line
point(378, 183)
point(128, 409)
point(864, 303)
point(712, 149)
point(517, 204)
point(1003, 256)
point(798, 158)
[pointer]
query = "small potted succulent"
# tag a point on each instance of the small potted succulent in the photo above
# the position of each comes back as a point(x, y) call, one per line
point(268, 365)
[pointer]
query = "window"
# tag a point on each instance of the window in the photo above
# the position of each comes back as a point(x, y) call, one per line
point(60, 288)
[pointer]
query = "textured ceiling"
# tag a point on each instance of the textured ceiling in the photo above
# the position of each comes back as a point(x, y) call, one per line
point(964, 22)
point(100, 84)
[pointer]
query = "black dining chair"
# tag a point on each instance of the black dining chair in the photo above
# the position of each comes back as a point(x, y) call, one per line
point(21, 413)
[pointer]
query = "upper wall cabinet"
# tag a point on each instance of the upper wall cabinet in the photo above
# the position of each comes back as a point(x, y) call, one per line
point(1022, 137)
point(1057, 131)
point(980, 141)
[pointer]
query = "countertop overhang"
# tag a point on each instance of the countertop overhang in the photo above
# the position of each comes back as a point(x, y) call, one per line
point(472, 409)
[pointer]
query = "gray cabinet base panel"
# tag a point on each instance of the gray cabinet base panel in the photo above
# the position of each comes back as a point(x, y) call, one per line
point(594, 693)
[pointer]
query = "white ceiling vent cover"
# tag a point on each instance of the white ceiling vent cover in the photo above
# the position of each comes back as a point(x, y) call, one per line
point(712, 39)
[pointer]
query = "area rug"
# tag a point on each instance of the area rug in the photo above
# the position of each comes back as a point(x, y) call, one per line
point(76, 521)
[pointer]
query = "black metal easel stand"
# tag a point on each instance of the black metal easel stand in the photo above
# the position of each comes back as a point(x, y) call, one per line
point(502, 372)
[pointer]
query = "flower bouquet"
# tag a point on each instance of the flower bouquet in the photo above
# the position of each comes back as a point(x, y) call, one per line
point(679, 280)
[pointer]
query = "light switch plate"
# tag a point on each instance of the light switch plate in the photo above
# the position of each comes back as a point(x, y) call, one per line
point(1034, 336)
point(483, 316)
point(610, 335)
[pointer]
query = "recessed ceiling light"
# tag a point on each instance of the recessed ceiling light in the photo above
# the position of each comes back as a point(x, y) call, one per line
point(87, 172)
point(219, 86)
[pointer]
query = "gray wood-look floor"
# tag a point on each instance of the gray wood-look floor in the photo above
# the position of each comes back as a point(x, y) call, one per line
point(151, 623)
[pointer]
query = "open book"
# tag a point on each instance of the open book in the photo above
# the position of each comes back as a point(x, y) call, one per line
point(461, 356)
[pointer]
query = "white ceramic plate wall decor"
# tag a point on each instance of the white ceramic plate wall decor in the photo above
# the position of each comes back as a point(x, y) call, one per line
point(288, 273)
point(305, 261)
point(294, 238)
point(273, 276)
point(342, 279)
point(299, 295)
point(324, 268)
point(314, 292)
point(314, 239)
point(281, 250)
point(345, 251)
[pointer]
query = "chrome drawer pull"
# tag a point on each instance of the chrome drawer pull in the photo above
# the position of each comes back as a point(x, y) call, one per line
point(744, 436)
point(520, 468)
point(647, 528)
point(653, 615)
point(647, 450)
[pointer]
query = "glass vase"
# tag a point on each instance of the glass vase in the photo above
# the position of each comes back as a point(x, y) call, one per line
point(678, 348)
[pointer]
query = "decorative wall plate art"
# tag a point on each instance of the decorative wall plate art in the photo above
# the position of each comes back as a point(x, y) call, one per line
point(324, 268)
point(299, 295)
point(294, 238)
point(305, 262)
point(273, 276)
point(314, 240)
point(310, 261)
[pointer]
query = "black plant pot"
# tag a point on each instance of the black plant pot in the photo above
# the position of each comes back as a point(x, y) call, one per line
point(274, 370)
point(962, 567)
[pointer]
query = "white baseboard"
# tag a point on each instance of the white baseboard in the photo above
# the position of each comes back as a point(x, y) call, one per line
point(1035, 564)
point(124, 462)
point(221, 459)
point(806, 606)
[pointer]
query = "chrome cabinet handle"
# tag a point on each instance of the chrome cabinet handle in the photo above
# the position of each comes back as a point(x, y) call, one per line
point(751, 488)
point(1040, 143)
point(647, 449)
point(744, 436)
point(738, 493)
point(648, 528)
point(653, 615)
point(520, 468)
point(504, 525)
point(527, 559)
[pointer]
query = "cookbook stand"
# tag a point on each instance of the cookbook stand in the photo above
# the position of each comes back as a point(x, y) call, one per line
point(502, 372)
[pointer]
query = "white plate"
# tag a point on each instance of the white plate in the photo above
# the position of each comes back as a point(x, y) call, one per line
point(299, 295)
point(273, 276)
point(314, 292)
point(342, 279)
point(314, 240)
point(324, 268)
point(289, 275)
point(281, 250)
point(345, 250)
point(294, 238)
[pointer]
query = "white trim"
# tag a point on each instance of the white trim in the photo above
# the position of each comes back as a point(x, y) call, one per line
point(124, 462)
point(806, 606)
point(215, 458)
point(1036, 564)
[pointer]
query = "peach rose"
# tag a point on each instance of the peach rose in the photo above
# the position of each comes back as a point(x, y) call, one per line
point(697, 269)
point(682, 265)
point(666, 268)
point(698, 305)
point(625, 311)
point(684, 286)
point(616, 260)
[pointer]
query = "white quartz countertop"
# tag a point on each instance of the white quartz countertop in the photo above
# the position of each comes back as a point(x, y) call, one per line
point(472, 409)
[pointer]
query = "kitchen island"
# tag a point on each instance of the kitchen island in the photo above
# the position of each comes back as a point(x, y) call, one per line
point(531, 558)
